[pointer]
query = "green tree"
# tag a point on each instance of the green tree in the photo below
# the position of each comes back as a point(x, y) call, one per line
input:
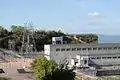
point(42, 67)
point(41, 37)
point(87, 38)
point(75, 42)
point(62, 72)
point(3, 33)
point(18, 34)
point(45, 37)
point(15, 28)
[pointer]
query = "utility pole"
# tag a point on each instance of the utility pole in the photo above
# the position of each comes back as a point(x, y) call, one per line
point(11, 44)
point(28, 43)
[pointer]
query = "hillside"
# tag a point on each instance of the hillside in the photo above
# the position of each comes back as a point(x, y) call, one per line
point(83, 38)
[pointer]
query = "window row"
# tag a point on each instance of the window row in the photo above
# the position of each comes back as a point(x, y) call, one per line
point(84, 49)
point(105, 57)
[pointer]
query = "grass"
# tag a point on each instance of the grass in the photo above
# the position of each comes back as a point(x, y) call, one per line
point(76, 78)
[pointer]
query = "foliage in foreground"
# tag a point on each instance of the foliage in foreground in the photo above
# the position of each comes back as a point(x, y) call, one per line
point(4, 78)
point(62, 72)
point(44, 69)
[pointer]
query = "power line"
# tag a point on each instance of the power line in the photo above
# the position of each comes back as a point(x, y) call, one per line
point(28, 42)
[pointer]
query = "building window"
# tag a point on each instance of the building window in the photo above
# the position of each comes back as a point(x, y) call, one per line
point(89, 48)
point(57, 49)
point(63, 49)
point(94, 48)
point(115, 47)
point(114, 57)
point(104, 57)
point(109, 48)
point(118, 47)
point(83, 48)
point(109, 57)
point(93, 58)
point(99, 48)
point(68, 49)
point(78, 49)
point(104, 48)
point(98, 57)
point(85, 61)
point(73, 49)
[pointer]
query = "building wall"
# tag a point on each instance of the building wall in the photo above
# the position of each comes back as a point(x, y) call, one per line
point(61, 51)
point(47, 51)
point(105, 59)
point(62, 54)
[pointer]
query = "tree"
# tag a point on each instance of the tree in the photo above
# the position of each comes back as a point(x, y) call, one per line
point(41, 37)
point(75, 42)
point(62, 72)
point(3, 33)
point(42, 67)
point(45, 37)
point(15, 28)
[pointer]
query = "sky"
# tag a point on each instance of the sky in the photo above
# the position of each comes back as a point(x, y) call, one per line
point(71, 16)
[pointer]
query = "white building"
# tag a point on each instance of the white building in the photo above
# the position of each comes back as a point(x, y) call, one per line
point(97, 55)
point(57, 40)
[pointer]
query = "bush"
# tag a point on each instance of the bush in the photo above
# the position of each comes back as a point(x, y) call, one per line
point(4, 78)
point(44, 69)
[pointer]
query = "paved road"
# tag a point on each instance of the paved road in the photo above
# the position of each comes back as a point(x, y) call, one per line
point(11, 70)
point(15, 75)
